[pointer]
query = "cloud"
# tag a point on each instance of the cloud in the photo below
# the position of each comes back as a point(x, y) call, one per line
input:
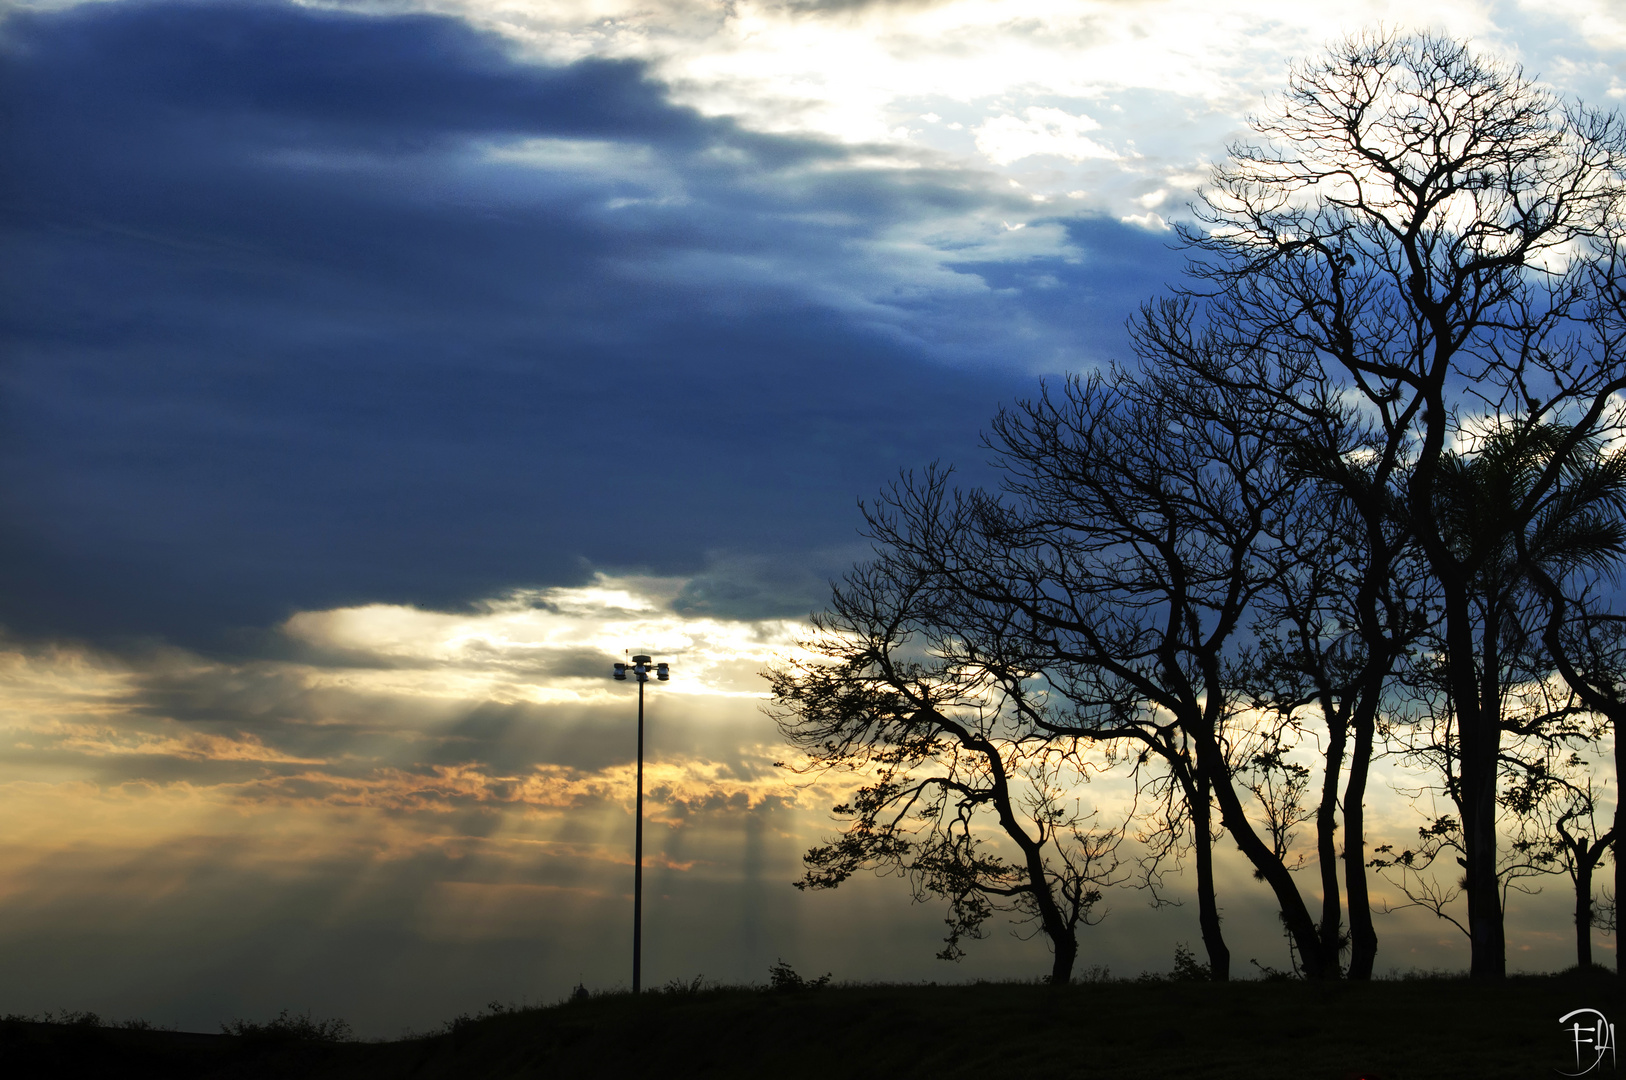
point(318, 830)
point(1167, 79)
point(1005, 139)
point(293, 330)
point(508, 703)
point(1596, 22)
point(1148, 220)
point(373, 381)
point(212, 819)
point(548, 646)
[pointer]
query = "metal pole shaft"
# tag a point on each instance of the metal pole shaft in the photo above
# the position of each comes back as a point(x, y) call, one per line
point(638, 857)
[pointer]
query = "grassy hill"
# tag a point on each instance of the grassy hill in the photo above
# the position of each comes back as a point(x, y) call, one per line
point(1389, 1030)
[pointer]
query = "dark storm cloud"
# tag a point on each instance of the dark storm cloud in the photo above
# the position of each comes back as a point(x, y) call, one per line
point(284, 329)
point(764, 586)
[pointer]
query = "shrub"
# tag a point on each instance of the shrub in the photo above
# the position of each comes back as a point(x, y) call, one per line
point(291, 1027)
point(783, 977)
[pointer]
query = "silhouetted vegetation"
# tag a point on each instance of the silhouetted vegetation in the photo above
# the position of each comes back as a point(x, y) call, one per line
point(1361, 494)
point(783, 977)
point(1399, 228)
point(1174, 1025)
point(291, 1028)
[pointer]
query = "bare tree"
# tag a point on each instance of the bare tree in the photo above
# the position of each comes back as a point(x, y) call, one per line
point(1413, 271)
point(1443, 232)
point(1538, 719)
point(946, 737)
point(1328, 636)
point(1573, 531)
point(1557, 826)
point(1588, 647)
point(1343, 604)
point(1141, 518)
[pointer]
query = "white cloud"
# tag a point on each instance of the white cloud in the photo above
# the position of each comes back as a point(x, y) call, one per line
point(1147, 220)
point(1601, 24)
point(1169, 80)
point(511, 648)
point(1005, 139)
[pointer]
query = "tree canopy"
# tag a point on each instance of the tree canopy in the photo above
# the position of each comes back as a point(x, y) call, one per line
point(1358, 491)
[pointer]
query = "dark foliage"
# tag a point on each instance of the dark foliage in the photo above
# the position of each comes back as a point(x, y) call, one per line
point(783, 978)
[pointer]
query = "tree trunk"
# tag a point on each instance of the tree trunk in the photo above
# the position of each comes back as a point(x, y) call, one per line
point(1583, 907)
point(1594, 695)
point(1473, 673)
point(1326, 829)
point(1296, 917)
point(1363, 937)
point(1219, 956)
point(1063, 938)
point(1066, 954)
point(1488, 950)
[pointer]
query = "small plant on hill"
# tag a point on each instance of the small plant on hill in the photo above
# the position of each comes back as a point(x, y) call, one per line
point(291, 1027)
point(1270, 974)
point(461, 1023)
point(783, 977)
point(74, 1017)
point(1187, 968)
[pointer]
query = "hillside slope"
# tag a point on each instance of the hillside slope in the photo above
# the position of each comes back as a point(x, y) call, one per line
point(1399, 1030)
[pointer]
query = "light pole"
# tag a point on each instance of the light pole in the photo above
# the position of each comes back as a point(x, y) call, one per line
point(640, 670)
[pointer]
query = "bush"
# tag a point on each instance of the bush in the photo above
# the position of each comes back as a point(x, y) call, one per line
point(783, 977)
point(1187, 968)
point(76, 1019)
point(289, 1027)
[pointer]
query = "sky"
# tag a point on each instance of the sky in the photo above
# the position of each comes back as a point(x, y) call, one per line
point(375, 374)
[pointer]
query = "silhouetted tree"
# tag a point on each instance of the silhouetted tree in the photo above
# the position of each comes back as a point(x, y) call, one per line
point(1444, 233)
point(1557, 826)
point(1329, 634)
point(1588, 647)
point(1491, 524)
point(947, 734)
point(1426, 735)
point(1411, 277)
point(1141, 516)
point(1342, 607)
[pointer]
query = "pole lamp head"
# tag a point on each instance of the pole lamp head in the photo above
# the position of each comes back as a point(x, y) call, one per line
point(662, 672)
point(621, 672)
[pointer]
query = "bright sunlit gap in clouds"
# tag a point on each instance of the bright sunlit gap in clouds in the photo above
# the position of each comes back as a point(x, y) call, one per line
point(545, 646)
point(403, 708)
point(1115, 98)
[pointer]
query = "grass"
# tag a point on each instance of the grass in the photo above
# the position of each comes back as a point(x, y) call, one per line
point(1403, 1029)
